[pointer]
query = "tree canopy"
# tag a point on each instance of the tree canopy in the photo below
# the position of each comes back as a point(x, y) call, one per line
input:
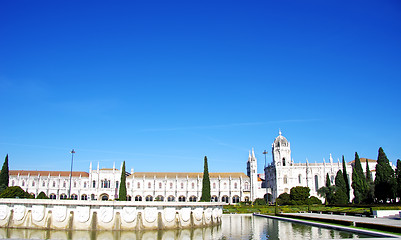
point(340, 196)
point(122, 192)
point(359, 182)
point(4, 175)
point(385, 183)
point(14, 192)
point(205, 183)
point(398, 178)
point(346, 180)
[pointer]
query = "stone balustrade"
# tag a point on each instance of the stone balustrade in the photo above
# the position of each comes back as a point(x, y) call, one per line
point(106, 215)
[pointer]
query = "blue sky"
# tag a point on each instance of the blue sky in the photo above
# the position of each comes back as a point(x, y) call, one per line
point(161, 84)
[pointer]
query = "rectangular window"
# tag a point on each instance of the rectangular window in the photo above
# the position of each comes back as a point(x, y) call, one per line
point(116, 184)
point(94, 184)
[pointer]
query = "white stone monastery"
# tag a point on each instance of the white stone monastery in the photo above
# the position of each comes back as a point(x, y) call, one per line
point(103, 184)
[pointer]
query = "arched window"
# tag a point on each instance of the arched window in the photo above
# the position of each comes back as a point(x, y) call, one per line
point(193, 185)
point(128, 185)
point(214, 185)
point(33, 184)
point(94, 184)
point(332, 179)
point(224, 199)
point(74, 197)
point(63, 196)
point(285, 179)
point(84, 197)
point(139, 185)
point(235, 199)
point(84, 184)
point(284, 162)
point(129, 198)
point(192, 199)
point(23, 183)
point(64, 184)
point(53, 196)
point(246, 185)
point(160, 185)
point(138, 198)
point(225, 185)
point(170, 198)
point(92, 196)
point(214, 198)
point(159, 198)
point(182, 185)
point(316, 182)
point(75, 184)
point(149, 185)
point(171, 185)
point(300, 179)
point(149, 198)
point(235, 185)
point(13, 183)
point(43, 183)
point(181, 199)
point(54, 184)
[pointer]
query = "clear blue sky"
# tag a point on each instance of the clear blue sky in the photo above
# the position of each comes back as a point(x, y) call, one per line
point(161, 84)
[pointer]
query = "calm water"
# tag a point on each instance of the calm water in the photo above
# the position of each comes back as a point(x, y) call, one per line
point(233, 227)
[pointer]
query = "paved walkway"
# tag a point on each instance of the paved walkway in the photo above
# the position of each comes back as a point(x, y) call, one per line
point(377, 221)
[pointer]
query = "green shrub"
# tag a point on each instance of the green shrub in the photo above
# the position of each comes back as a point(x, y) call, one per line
point(42, 195)
point(15, 192)
point(283, 199)
point(259, 201)
point(314, 200)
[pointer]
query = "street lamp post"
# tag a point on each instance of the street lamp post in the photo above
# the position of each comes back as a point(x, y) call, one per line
point(72, 161)
point(264, 153)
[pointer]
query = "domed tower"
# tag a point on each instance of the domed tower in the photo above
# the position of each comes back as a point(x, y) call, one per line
point(281, 151)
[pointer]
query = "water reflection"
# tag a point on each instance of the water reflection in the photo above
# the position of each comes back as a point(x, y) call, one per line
point(233, 227)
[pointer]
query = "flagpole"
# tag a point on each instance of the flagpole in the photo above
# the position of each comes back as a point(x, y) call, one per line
point(72, 161)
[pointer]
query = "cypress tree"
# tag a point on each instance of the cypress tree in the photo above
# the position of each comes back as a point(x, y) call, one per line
point(122, 193)
point(4, 176)
point(385, 183)
point(368, 173)
point(327, 191)
point(205, 183)
point(398, 177)
point(370, 184)
point(345, 176)
point(340, 196)
point(359, 181)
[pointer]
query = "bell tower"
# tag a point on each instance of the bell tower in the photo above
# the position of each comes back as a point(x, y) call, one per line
point(252, 172)
point(281, 151)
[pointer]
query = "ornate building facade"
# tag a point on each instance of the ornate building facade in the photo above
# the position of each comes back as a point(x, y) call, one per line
point(103, 184)
point(283, 173)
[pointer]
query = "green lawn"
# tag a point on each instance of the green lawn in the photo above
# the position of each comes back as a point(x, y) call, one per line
point(266, 209)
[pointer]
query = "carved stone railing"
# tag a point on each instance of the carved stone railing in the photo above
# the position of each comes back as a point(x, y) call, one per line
point(106, 215)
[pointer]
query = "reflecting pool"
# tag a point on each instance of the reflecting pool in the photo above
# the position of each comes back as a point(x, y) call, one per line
point(232, 227)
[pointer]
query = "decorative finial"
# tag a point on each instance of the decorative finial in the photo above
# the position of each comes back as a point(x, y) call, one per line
point(279, 131)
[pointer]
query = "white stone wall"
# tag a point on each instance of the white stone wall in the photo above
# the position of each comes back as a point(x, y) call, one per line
point(95, 215)
point(104, 183)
